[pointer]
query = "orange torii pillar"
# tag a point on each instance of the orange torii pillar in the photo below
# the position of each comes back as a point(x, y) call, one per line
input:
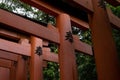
point(66, 54)
point(104, 47)
point(21, 68)
point(4, 73)
point(13, 71)
point(36, 66)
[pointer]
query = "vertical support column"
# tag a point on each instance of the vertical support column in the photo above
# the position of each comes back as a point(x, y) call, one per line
point(4, 73)
point(67, 59)
point(22, 66)
point(13, 71)
point(21, 69)
point(104, 47)
point(36, 59)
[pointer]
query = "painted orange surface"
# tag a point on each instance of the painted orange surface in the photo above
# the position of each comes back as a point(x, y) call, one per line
point(36, 61)
point(105, 53)
point(66, 51)
point(4, 73)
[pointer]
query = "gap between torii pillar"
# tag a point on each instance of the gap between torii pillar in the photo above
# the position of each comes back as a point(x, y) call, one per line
point(105, 53)
point(67, 59)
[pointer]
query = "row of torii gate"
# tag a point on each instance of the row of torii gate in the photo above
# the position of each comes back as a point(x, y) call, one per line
point(23, 41)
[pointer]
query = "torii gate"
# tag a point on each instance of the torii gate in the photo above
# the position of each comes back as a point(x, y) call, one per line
point(100, 20)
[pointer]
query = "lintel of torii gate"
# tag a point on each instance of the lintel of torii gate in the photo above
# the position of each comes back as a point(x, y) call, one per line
point(5, 63)
point(55, 37)
point(114, 2)
point(13, 49)
point(114, 20)
point(50, 9)
point(86, 5)
point(27, 28)
point(42, 32)
point(32, 28)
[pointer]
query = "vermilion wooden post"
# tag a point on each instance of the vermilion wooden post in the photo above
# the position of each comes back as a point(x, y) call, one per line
point(66, 51)
point(36, 60)
point(13, 71)
point(21, 69)
point(104, 47)
point(4, 73)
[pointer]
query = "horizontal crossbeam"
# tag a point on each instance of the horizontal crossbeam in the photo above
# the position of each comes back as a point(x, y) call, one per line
point(79, 23)
point(82, 47)
point(5, 63)
point(54, 11)
point(33, 29)
point(84, 4)
point(49, 56)
point(114, 20)
point(9, 34)
point(27, 26)
point(114, 2)
point(8, 56)
point(15, 47)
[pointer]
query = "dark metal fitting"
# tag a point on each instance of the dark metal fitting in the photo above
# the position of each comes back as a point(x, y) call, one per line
point(25, 57)
point(38, 50)
point(102, 4)
point(15, 63)
point(69, 36)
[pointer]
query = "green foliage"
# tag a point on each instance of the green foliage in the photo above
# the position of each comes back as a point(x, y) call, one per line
point(53, 47)
point(116, 35)
point(115, 10)
point(18, 7)
point(84, 36)
point(86, 67)
point(116, 32)
point(51, 72)
point(85, 63)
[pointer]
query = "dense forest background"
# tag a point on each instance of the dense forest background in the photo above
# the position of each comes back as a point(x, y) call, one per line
point(85, 63)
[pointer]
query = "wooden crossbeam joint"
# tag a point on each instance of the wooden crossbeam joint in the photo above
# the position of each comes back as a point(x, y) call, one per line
point(15, 63)
point(25, 57)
